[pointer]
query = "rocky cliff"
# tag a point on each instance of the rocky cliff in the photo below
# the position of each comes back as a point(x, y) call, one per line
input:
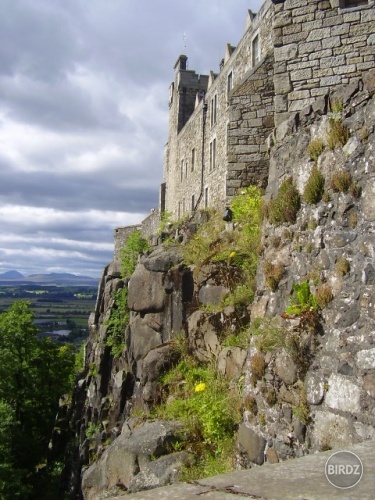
point(308, 370)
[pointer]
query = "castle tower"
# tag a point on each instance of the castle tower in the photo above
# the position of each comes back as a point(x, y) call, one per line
point(183, 93)
point(186, 94)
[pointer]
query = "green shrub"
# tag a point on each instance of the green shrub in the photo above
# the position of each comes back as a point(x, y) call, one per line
point(314, 188)
point(237, 339)
point(342, 266)
point(235, 252)
point(257, 368)
point(246, 208)
point(315, 149)
point(134, 246)
point(341, 180)
point(323, 295)
point(284, 207)
point(338, 134)
point(268, 335)
point(201, 399)
point(302, 300)
point(211, 462)
point(337, 106)
point(117, 322)
point(92, 429)
point(165, 221)
point(273, 274)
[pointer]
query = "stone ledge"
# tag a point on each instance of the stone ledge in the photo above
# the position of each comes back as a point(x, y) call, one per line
point(299, 478)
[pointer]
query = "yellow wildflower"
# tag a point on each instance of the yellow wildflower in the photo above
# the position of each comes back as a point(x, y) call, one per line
point(200, 387)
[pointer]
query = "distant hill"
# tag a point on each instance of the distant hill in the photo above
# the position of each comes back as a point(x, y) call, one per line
point(10, 275)
point(16, 278)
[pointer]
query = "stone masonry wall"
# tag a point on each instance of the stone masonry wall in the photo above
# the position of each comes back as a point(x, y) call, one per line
point(250, 122)
point(319, 45)
point(121, 234)
point(148, 227)
point(205, 185)
point(318, 391)
point(316, 44)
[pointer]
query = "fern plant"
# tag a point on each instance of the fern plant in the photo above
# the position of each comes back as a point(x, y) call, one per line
point(302, 300)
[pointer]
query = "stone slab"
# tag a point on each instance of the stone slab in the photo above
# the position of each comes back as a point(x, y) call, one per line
point(299, 478)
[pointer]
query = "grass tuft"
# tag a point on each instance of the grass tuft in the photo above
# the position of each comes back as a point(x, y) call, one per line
point(284, 207)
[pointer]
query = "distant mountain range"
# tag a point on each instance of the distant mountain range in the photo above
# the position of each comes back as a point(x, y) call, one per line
point(16, 278)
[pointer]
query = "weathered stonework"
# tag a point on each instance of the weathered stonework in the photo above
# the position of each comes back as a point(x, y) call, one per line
point(305, 50)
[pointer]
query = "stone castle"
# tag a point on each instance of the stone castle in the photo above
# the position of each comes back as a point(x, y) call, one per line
point(292, 53)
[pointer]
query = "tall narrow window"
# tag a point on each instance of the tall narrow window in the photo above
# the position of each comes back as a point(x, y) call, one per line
point(179, 210)
point(182, 170)
point(256, 50)
point(213, 110)
point(206, 197)
point(186, 167)
point(192, 203)
point(192, 159)
point(229, 82)
point(212, 154)
point(183, 206)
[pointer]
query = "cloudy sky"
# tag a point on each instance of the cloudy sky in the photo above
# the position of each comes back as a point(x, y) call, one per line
point(84, 114)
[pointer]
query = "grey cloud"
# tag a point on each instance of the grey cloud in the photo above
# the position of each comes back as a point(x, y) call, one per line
point(79, 79)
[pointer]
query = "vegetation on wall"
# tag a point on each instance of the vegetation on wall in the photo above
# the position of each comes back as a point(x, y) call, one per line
point(284, 207)
point(314, 188)
point(119, 318)
point(315, 149)
point(235, 252)
point(209, 407)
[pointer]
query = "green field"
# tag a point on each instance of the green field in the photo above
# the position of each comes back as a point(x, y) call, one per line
point(56, 308)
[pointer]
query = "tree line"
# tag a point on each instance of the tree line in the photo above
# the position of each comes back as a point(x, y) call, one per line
point(34, 374)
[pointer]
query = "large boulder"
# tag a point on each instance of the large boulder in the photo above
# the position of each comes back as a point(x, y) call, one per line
point(130, 454)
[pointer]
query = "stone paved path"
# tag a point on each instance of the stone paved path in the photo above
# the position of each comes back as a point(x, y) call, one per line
point(301, 478)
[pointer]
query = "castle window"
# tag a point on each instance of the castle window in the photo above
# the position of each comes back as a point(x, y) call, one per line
point(256, 50)
point(171, 90)
point(186, 168)
point(192, 159)
point(182, 170)
point(206, 197)
point(213, 110)
point(212, 154)
point(192, 203)
point(229, 82)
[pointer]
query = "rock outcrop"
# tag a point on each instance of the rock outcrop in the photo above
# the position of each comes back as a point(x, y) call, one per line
point(328, 402)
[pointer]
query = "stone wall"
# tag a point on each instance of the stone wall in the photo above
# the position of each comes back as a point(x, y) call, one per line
point(319, 45)
point(121, 234)
point(318, 391)
point(251, 120)
point(148, 227)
